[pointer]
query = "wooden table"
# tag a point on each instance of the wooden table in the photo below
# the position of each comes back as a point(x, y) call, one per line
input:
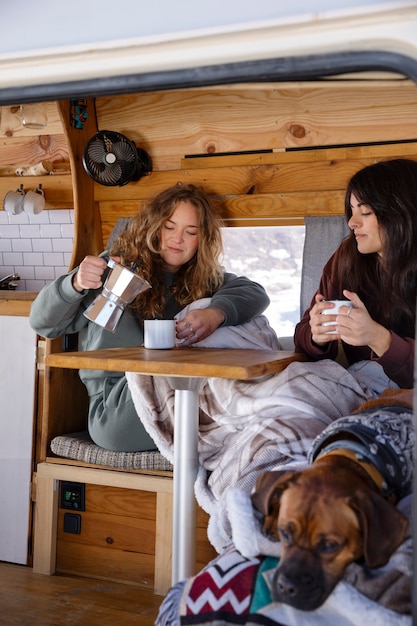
point(186, 369)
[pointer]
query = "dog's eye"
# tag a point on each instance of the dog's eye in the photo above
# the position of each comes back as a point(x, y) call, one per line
point(285, 535)
point(328, 547)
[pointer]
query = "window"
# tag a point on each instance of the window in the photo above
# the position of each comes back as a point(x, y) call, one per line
point(271, 256)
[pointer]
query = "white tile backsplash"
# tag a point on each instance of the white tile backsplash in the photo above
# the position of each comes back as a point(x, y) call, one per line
point(5, 244)
point(21, 245)
point(65, 216)
point(62, 245)
point(42, 245)
point(51, 230)
point(44, 273)
point(37, 247)
point(53, 258)
point(29, 231)
point(13, 258)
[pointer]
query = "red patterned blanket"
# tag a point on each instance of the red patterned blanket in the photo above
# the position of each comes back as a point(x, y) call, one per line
point(235, 590)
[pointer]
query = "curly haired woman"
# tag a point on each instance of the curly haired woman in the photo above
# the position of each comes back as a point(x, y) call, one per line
point(175, 243)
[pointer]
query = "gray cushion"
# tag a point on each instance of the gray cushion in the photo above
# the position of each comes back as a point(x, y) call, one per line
point(80, 447)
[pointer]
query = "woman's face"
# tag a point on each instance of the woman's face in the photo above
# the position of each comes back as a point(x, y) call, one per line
point(365, 225)
point(179, 236)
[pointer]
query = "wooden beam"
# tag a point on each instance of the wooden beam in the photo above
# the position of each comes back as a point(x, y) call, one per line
point(87, 216)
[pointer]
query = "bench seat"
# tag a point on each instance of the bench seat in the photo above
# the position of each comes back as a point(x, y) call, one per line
point(80, 447)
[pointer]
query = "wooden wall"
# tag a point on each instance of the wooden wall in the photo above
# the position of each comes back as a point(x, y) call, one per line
point(117, 541)
point(24, 148)
point(267, 154)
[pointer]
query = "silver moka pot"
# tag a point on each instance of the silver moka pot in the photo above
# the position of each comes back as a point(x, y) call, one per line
point(120, 289)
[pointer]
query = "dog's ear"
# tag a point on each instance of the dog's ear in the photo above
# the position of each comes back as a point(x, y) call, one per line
point(266, 498)
point(269, 487)
point(384, 526)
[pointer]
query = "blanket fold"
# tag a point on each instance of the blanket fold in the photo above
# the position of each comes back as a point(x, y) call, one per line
point(248, 427)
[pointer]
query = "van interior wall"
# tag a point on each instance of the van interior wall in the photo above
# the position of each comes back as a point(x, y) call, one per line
point(268, 154)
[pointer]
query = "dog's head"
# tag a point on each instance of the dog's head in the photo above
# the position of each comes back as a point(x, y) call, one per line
point(325, 518)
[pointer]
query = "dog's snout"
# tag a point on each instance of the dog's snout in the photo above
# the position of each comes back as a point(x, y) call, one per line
point(289, 587)
point(286, 588)
point(302, 590)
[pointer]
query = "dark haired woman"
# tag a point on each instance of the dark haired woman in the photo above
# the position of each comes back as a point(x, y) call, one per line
point(376, 269)
point(175, 241)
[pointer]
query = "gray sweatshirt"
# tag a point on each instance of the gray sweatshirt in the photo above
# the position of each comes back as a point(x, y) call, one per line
point(58, 310)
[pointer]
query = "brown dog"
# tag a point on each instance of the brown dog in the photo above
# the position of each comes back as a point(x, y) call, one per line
point(327, 516)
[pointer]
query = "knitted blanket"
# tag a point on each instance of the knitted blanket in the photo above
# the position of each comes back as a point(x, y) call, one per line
point(247, 427)
point(234, 589)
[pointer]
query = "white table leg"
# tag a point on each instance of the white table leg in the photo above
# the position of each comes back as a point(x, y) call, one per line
point(186, 416)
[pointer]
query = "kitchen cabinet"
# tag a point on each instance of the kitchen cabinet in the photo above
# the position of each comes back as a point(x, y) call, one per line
point(17, 400)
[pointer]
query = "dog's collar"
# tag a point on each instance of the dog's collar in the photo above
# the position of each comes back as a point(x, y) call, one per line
point(355, 453)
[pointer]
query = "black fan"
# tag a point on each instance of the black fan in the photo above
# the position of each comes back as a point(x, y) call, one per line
point(111, 159)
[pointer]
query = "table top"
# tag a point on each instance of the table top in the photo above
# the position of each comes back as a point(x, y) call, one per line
point(182, 362)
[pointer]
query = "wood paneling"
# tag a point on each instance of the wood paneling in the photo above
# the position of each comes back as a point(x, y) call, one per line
point(257, 190)
point(57, 188)
point(16, 302)
point(64, 405)
point(172, 124)
point(25, 147)
point(117, 537)
point(102, 563)
point(87, 218)
point(18, 135)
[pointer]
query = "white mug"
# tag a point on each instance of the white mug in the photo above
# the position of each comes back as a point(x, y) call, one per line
point(34, 201)
point(159, 334)
point(13, 201)
point(335, 311)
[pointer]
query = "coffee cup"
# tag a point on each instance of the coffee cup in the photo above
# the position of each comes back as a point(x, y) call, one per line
point(159, 334)
point(13, 201)
point(335, 311)
point(34, 201)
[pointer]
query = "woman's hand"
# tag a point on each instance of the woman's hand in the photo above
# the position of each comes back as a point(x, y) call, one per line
point(320, 333)
point(359, 329)
point(354, 325)
point(89, 274)
point(197, 325)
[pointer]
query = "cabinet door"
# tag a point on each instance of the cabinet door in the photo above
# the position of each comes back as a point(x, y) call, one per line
point(17, 383)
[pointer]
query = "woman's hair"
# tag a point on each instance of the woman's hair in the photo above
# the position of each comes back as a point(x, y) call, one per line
point(390, 279)
point(140, 244)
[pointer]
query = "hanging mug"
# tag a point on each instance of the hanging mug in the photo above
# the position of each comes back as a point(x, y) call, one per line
point(13, 201)
point(34, 201)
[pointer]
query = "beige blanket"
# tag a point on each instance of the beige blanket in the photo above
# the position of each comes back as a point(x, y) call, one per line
point(247, 427)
